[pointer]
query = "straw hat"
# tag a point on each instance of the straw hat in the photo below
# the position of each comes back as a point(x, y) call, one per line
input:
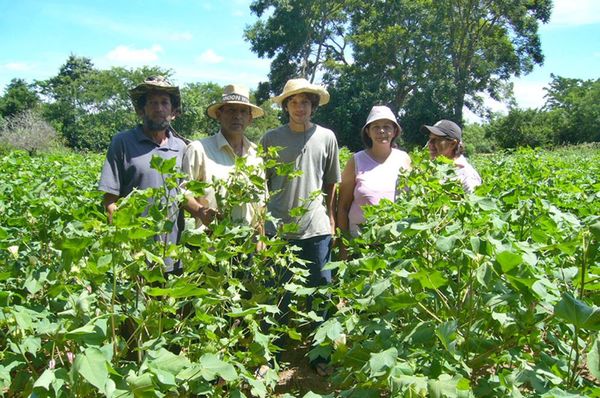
point(234, 94)
point(297, 86)
point(156, 84)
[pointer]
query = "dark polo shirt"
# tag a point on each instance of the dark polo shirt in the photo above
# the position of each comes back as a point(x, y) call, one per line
point(127, 166)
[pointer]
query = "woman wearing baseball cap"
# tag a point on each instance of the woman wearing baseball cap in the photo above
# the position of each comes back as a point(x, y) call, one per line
point(445, 139)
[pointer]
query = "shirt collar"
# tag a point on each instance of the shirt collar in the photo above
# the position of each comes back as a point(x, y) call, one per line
point(249, 146)
point(140, 136)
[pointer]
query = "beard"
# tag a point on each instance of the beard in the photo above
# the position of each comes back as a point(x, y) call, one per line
point(156, 125)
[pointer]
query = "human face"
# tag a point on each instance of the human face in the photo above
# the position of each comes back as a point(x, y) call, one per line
point(234, 118)
point(299, 108)
point(158, 111)
point(441, 146)
point(381, 132)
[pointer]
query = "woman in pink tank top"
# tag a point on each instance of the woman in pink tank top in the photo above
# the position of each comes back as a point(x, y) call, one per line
point(371, 174)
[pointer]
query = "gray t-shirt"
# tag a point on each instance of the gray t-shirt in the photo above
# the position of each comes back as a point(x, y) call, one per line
point(127, 166)
point(315, 153)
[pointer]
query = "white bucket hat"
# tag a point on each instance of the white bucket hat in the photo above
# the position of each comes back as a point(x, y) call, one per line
point(234, 94)
point(380, 112)
point(301, 85)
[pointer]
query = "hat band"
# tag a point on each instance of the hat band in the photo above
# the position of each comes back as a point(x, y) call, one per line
point(235, 97)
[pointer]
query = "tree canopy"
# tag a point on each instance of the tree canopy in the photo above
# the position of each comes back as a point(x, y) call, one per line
point(403, 53)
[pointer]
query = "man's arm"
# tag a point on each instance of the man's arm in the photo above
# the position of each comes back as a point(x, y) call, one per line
point(329, 191)
point(110, 204)
point(199, 209)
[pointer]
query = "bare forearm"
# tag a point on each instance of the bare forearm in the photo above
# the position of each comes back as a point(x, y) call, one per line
point(110, 204)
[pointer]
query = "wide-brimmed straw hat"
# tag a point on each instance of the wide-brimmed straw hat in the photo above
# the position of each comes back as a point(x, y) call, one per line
point(156, 84)
point(444, 128)
point(297, 86)
point(234, 94)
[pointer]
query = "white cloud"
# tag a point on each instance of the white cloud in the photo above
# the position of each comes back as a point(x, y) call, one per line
point(529, 94)
point(132, 56)
point(575, 12)
point(17, 66)
point(180, 36)
point(209, 57)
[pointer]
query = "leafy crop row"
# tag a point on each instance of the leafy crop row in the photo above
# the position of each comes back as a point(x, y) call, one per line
point(493, 294)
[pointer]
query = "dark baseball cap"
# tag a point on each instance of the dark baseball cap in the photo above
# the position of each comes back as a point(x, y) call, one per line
point(444, 128)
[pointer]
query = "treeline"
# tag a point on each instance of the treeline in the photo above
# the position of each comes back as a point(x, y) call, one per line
point(86, 106)
point(82, 107)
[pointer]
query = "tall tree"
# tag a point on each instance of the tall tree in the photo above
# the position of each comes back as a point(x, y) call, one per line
point(488, 41)
point(404, 50)
point(576, 105)
point(301, 36)
point(18, 97)
point(88, 106)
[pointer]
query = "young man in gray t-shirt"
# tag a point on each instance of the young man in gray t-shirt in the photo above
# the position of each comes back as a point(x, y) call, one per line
point(313, 150)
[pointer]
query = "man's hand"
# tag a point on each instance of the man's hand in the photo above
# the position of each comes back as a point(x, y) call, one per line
point(110, 204)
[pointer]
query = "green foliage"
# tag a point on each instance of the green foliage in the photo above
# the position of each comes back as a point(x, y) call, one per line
point(450, 294)
point(476, 141)
point(261, 125)
point(447, 294)
point(196, 97)
point(426, 59)
point(88, 106)
point(86, 310)
point(18, 97)
point(527, 127)
point(574, 106)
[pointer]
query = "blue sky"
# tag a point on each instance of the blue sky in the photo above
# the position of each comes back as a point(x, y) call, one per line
point(202, 40)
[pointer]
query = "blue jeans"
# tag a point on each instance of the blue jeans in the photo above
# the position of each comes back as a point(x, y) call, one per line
point(315, 250)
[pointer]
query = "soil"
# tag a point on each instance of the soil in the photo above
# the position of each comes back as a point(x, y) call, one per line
point(296, 377)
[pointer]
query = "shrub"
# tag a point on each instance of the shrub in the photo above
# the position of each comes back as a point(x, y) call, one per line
point(30, 132)
point(521, 128)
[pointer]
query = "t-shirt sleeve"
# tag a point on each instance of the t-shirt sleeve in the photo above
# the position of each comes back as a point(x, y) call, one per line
point(112, 170)
point(332, 174)
point(193, 161)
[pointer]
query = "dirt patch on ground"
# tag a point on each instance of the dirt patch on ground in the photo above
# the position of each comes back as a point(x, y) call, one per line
point(297, 377)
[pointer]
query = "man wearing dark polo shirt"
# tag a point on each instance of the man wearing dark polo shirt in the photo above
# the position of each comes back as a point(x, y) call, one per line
point(127, 164)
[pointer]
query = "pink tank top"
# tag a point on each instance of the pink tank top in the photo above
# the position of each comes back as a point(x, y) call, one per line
point(374, 181)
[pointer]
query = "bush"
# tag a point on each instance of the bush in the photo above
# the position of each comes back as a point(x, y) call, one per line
point(30, 132)
point(476, 141)
point(521, 128)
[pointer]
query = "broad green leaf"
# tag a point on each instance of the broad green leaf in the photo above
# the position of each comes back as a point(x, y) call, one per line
point(559, 393)
point(595, 230)
point(445, 243)
point(577, 313)
point(45, 379)
point(140, 384)
point(331, 329)
point(446, 332)
point(91, 364)
point(381, 361)
point(213, 367)
point(593, 358)
point(508, 260)
point(372, 264)
point(167, 361)
point(430, 280)
point(164, 166)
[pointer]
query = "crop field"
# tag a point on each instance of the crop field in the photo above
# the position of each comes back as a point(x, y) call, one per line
point(444, 294)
